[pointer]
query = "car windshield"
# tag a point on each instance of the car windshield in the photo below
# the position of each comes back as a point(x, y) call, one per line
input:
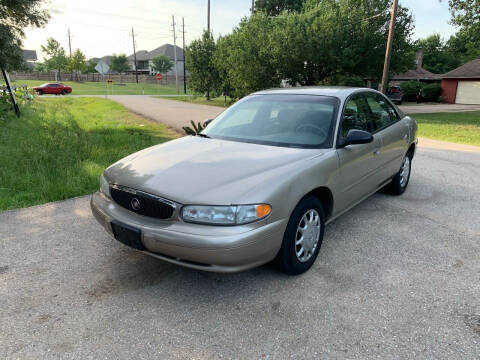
point(306, 121)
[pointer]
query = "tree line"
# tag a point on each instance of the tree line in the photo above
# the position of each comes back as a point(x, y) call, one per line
point(314, 42)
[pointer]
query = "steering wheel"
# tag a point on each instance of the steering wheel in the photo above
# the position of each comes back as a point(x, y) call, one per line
point(311, 128)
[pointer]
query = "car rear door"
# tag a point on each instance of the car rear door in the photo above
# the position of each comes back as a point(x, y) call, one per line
point(393, 132)
point(358, 165)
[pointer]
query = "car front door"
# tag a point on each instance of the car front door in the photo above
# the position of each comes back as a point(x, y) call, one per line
point(358, 165)
point(50, 89)
point(393, 133)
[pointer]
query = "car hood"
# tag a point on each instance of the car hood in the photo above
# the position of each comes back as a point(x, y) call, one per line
point(199, 170)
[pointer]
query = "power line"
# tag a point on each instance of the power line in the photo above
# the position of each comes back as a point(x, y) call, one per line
point(110, 15)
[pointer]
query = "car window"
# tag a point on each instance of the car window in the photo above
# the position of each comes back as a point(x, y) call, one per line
point(243, 116)
point(279, 119)
point(355, 116)
point(381, 111)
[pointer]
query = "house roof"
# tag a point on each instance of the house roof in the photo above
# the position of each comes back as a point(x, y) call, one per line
point(165, 50)
point(142, 55)
point(29, 55)
point(417, 74)
point(468, 70)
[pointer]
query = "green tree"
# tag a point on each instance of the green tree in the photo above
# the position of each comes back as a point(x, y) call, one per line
point(162, 64)
point(200, 63)
point(436, 56)
point(465, 44)
point(55, 56)
point(16, 16)
point(465, 13)
point(246, 57)
point(276, 7)
point(119, 63)
point(328, 39)
point(90, 66)
point(77, 62)
point(40, 67)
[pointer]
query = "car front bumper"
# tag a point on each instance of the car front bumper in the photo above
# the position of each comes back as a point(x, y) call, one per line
point(203, 247)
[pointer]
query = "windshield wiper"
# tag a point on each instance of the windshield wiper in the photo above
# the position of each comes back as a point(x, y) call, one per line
point(203, 135)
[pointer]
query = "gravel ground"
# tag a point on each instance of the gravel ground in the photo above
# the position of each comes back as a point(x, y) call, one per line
point(396, 278)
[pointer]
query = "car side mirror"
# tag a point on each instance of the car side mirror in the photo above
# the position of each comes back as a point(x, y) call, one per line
point(355, 137)
point(206, 122)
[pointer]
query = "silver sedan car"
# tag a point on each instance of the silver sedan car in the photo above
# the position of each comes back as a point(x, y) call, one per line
point(261, 181)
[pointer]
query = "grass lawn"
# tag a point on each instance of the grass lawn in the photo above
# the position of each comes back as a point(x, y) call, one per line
point(98, 88)
point(59, 147)
point(219, 101)
point(460, 127)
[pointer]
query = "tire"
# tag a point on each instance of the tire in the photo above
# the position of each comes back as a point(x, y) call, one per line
point(400, 182)
point(287, 259)
point(64, 92)
point(40, 92)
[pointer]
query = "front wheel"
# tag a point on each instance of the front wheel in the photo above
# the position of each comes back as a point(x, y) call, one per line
point(400, 180)
point(303, 237)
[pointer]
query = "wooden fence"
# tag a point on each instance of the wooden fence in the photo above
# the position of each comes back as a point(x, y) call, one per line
point(95, 77)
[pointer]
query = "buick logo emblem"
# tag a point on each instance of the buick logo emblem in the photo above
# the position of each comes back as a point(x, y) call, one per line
point(135, 204)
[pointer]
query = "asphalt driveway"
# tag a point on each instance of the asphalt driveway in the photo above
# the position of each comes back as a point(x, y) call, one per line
point(397, 277)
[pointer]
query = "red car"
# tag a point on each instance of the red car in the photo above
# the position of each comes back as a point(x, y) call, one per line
point(53, 88)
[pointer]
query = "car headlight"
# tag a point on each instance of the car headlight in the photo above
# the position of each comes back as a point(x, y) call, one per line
point(104, 186)
point(225, 215)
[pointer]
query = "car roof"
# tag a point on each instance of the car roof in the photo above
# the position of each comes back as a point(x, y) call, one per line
point(341, 92)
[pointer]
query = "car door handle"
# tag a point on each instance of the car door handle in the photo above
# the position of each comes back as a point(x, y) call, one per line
point(376, 151)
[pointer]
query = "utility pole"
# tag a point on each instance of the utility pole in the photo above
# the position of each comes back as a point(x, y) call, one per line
point(388, 54)
point(134, 56)
point(70, 49)
point(208, 17)
point(175, 52)
point(184, 62)
point(253, 6)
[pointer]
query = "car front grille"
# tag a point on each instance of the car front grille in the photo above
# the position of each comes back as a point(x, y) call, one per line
point(142, 203)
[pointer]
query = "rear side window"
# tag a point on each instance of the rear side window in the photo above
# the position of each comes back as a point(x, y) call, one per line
point(355, 116)
point(382, 113)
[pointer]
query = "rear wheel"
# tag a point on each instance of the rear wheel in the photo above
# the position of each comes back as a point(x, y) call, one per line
point(400, 180)
point(303, 237)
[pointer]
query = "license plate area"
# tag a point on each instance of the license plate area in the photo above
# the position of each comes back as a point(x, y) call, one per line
point(127, 235)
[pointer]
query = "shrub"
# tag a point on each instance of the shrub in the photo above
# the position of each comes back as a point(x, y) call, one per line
point(353, 81)
point(410, 90)
point(431, 92)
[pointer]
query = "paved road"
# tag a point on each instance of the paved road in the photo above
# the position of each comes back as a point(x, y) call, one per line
point(173, 113)
point(433, 108)
point(397, 277)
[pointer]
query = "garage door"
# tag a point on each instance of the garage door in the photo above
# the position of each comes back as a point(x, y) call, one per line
point(468, 92)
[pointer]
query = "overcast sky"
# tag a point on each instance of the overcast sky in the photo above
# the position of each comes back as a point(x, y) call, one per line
point(103, 27)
